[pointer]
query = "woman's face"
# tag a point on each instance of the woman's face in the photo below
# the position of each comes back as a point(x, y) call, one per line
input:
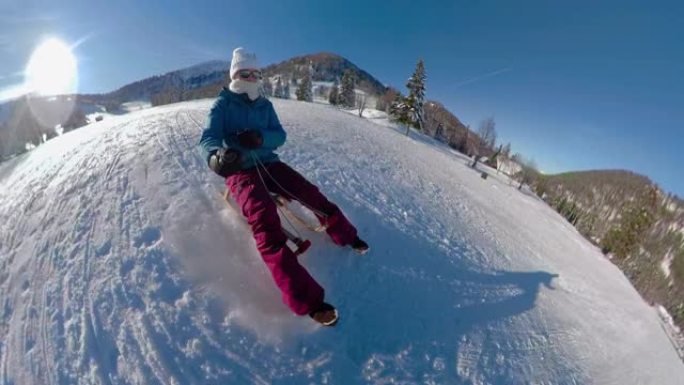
point(251, 75)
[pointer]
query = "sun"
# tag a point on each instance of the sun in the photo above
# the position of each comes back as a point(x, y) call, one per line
point(52, 69)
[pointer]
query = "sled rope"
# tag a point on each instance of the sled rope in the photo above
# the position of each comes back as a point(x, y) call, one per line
point(259, 163)
point(299, 235)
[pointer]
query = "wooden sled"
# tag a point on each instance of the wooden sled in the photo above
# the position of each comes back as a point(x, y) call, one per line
point(296, 244)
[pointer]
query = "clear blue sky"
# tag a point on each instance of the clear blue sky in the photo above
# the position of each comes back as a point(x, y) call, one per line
point(573, 84)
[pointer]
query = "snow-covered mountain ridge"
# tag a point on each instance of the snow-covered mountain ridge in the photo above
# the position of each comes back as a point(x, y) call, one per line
point(120, 264)
point(20, 126)
point(325, 67)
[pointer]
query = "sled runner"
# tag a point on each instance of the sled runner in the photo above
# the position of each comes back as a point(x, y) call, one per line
point(298, 213)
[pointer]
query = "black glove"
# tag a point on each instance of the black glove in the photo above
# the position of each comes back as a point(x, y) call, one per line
point(250, 139)
point(225, 161)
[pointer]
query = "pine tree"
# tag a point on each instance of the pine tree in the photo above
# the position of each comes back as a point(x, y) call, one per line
point(278, 91)
point(304, 92)
point(347, 95)
point(75, 120)
point(266, 88)
point(400, 112)
point(334, 95)
point(286, 91)
point(416, 96)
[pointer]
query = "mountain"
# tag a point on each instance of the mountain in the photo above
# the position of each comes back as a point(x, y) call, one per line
point(443, 125)
point(120, 263)
point(639, 226)
point(184, 80)
point(29, 120)
point(204, 80)
point(326, 67)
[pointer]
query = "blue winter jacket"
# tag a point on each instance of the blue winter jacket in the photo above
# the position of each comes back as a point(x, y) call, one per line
point(234, 113)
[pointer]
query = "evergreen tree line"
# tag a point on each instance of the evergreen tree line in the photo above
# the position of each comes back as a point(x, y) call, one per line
point(432, 118)
point(281, 89)
point(343, 95)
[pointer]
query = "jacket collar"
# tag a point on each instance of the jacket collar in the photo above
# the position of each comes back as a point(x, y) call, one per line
point(240, 98)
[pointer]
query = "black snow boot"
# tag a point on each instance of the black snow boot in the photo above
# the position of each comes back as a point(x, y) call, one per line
point(325, 315)
point(360, 246)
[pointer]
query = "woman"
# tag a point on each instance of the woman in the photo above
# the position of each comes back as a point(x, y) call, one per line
point(238, 143)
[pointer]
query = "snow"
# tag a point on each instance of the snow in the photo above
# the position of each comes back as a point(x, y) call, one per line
point(672, 331)
point(5, 112)
point(121, 264)
point(92, 111)
point(370, 113)
point(665, 264)
point(135, 106)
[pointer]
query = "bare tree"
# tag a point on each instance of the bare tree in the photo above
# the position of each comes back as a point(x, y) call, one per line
point(529, 169)
point(493, 158)
point(506, 151)
point(361, 99)
point(467, 148)
point(487, 133)
point(385, 100)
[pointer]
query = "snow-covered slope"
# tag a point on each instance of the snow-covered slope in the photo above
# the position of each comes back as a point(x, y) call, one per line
point(120, 264)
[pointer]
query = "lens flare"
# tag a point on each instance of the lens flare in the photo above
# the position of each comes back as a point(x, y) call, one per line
point(52, 69)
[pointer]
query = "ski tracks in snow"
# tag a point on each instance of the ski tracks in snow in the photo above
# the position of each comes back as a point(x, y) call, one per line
point(121, 264)
point(92, 274)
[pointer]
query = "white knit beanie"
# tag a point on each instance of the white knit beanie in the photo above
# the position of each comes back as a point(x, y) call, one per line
point(242, 60)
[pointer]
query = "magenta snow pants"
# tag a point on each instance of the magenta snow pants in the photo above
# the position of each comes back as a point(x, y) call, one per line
point(301, 293)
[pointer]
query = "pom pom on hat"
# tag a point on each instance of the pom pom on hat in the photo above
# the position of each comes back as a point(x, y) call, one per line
point(242, 60)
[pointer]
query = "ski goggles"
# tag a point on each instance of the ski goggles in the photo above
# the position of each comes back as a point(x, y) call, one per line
point(246, 74)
